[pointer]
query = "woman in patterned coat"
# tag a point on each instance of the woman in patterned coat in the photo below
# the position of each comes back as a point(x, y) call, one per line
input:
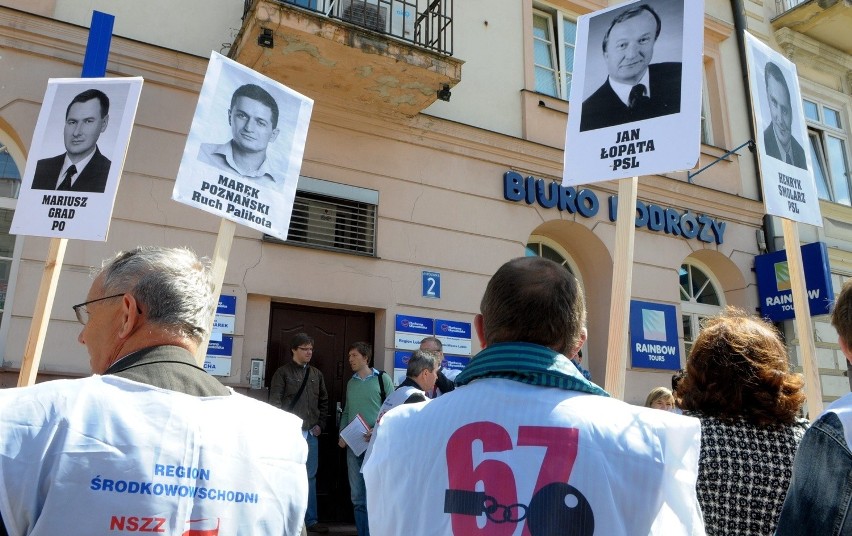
point(738, 383)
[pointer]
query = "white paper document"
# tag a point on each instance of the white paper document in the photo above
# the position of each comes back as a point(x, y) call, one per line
point(354, 434)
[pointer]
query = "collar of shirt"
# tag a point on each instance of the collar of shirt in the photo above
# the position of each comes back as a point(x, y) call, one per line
point(373, 372)
point(527, 363)
point(226, 150)
point(81, 165)
point(785, 152)
point(623, 90)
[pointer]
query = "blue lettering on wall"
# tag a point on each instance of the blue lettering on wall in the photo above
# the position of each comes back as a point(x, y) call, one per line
point(549, 194)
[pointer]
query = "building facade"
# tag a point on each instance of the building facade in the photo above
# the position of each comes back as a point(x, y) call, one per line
point(435, 145)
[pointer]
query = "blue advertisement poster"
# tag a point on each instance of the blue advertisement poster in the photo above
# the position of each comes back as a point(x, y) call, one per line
point(410, 330)
point(774, 287)
point(654, 336)
point(454, 336)
point(453, 364)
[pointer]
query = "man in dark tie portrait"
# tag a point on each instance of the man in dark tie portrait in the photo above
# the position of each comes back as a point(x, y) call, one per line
point(635, 89)
point(778, 140)
point(82, 168)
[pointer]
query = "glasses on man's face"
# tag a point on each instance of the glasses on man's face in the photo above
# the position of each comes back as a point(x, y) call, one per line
point(305, 349)
point(83, 313)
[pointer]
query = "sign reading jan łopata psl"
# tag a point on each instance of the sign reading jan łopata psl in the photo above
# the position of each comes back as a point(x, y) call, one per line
point(789, 190)
point(635, 92)
point(654, 336)
point(76, 158)
point(245, 146)
point(774, 287)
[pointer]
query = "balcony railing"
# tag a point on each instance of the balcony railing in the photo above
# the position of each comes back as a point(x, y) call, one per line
point(425, 23)
point(783, 6)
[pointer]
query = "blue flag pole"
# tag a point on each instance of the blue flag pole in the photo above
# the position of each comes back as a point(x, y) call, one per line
point(94, 66)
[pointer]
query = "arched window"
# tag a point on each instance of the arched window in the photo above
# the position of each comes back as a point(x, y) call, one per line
point(539, 246)
point(10, 185)
point(700, 299)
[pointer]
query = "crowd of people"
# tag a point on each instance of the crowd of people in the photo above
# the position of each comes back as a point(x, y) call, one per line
point(524, 443)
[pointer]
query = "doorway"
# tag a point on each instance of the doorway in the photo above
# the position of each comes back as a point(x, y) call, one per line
point(333, 330)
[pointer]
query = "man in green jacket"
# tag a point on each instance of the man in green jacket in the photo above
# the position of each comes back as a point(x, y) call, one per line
point(365, 394)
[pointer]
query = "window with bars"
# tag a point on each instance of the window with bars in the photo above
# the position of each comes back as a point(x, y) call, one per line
point(554, 35)
point(326, 221)
point(827, 143)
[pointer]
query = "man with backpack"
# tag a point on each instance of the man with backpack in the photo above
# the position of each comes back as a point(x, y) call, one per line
point(365, 394)
point(299, 388)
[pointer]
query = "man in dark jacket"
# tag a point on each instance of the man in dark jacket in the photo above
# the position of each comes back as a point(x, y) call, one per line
point(299, 388)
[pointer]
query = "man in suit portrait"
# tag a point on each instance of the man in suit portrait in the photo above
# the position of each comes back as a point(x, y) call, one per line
point(635, 89)
point(82, 168)
point(778, 140)
point(253, 117)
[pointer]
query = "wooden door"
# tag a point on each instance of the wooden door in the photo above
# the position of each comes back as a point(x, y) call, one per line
point(333, 330)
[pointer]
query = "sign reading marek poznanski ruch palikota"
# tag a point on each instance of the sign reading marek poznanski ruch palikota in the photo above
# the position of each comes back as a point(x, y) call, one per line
point(245, 146)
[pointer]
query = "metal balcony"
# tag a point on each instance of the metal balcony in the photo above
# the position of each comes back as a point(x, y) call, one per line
point(425, 23)
point(379, 56)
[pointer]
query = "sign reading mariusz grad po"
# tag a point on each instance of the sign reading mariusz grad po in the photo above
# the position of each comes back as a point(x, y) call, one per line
point(550, 194)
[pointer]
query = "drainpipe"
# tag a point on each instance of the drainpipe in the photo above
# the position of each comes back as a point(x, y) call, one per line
point(738, 10)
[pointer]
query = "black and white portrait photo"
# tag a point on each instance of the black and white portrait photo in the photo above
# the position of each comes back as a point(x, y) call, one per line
point(778, 139)
point(639, 82)
point(82, 167)
point(253, 117)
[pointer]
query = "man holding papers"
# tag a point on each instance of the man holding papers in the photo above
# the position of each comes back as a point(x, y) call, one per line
point(365, 394)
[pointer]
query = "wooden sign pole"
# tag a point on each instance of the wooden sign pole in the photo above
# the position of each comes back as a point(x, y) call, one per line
point(94, 65)
point(804, 328)
point(622, 279)
point(220, 264)
point(41, 315)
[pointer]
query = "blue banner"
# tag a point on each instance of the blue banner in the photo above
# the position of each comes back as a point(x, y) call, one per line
point(227, 305)
point(451, 328)
point(415, 324)
point(774, 286)
point(654, 335)
point(223, 348)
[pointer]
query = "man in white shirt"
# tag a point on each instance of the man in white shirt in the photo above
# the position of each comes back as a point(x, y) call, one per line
point(420, 376)
point(525, 442)
point(151, 443)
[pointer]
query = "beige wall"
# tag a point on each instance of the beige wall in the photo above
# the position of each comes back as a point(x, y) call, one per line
point(197, 27)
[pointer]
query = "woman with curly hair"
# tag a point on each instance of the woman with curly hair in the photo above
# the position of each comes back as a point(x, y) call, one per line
point(739, 385)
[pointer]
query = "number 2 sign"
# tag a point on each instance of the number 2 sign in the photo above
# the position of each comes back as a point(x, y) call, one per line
point(554, 508)
point(431, 284)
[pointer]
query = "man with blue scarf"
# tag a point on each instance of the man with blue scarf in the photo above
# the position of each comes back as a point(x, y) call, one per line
point(525, 443)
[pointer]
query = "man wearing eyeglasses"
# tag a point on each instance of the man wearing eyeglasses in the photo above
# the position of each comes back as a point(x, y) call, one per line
point(299, 388)
point(151, 442)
